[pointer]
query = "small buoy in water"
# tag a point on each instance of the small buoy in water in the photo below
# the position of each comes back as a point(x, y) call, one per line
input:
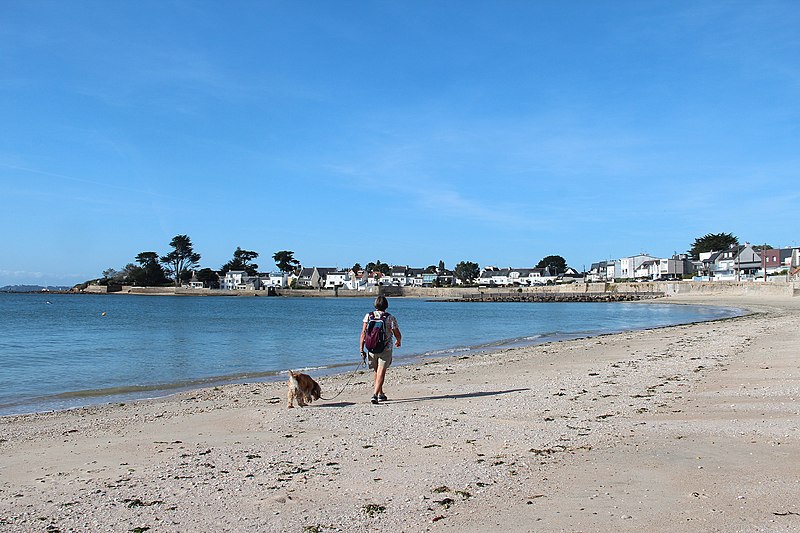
point(103, 313)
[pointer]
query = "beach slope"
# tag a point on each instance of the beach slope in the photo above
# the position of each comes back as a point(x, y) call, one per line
point(686, 428)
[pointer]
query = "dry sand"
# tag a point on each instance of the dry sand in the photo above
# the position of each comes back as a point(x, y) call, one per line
point(687, 428)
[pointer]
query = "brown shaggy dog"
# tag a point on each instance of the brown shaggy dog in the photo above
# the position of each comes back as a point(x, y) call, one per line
point(302, 388)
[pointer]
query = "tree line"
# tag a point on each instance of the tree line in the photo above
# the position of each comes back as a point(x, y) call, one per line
point(181, 262)
point(178, 265)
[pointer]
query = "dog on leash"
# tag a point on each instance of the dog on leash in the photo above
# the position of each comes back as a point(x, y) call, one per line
point(303, 389)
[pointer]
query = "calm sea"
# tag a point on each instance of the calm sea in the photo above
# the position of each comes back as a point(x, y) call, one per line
point(60, 351)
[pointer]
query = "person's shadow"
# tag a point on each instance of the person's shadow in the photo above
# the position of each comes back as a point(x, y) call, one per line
point(458, 396)
point(438, 397)
point(336, 404)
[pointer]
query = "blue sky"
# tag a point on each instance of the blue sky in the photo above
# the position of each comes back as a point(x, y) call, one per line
point(410, 132)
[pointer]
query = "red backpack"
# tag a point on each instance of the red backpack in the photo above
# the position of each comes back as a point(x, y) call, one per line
point(376, 335)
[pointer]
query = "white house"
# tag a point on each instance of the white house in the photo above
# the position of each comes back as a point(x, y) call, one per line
point(734, 264)
point(647, 269)
point(445, 277)
point(279, 280)
point(194, 283)
point(304, 277)
point(519, 276)
point(415, 277)
point(570, 275)
point(353, 280)
point(373, 279)
point(400, 276)
point(314, 277)
point(602, 271)
point(629, 265)
point(495, 277)
point(527, 277)
point(238, 280)
point(337, 278)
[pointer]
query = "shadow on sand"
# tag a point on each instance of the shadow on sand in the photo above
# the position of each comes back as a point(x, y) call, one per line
point(335, 404)
point(427, 398)
point(457, 396)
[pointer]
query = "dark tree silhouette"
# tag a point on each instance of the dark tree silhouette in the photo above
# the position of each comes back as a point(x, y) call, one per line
point(181, 259)
point(712, 242)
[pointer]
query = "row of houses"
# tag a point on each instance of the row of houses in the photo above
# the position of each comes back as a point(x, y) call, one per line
point(526, 277)
point(737, 263)
point(642, 267)
point(330, 278)
point(740, 262)
point(399, 276)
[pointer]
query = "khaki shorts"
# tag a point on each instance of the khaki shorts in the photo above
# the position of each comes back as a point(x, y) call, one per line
point(383, 359)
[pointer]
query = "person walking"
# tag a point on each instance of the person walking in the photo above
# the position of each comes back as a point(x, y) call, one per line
point(379, 361)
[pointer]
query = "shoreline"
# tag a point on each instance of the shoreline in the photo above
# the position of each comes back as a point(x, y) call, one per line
point(689, 426)
point(77, 399)
point(621, 289)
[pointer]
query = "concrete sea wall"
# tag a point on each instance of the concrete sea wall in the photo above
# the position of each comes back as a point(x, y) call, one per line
point(650, 289)
point(568, 292)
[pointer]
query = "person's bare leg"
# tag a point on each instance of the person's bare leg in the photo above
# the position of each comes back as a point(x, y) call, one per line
point(380, 375)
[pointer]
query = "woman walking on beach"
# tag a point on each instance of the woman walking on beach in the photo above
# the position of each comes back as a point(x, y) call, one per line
point(379, 360)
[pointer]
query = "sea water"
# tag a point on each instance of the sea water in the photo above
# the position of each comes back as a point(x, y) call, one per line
point(59, 351)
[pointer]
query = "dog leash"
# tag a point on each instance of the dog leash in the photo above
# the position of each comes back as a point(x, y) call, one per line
point(363, 362)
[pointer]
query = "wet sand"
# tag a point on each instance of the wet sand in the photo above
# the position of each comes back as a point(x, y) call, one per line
point(686, 428)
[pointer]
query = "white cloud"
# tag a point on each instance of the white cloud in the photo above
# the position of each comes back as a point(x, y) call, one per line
point(27, 277)
point(20, 274)
point(453, 204)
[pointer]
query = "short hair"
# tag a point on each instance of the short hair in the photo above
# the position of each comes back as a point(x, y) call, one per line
point(381, 303)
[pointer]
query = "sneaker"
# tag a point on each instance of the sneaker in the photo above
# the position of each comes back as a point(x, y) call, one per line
point(382, 397)
point(374, 398)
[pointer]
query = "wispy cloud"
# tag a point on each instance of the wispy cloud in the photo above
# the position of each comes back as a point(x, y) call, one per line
point(497, 171)
point(454, 205)
point(21, 274)
point(84, 181)
point(26, 277)
point(400, 172)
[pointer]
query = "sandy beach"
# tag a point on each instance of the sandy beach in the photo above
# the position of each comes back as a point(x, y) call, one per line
point(685, 428)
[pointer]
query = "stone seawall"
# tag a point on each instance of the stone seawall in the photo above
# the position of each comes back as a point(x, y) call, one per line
point(567, 292)
point(733, 288)
point(638, 290)
point(95, 289)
